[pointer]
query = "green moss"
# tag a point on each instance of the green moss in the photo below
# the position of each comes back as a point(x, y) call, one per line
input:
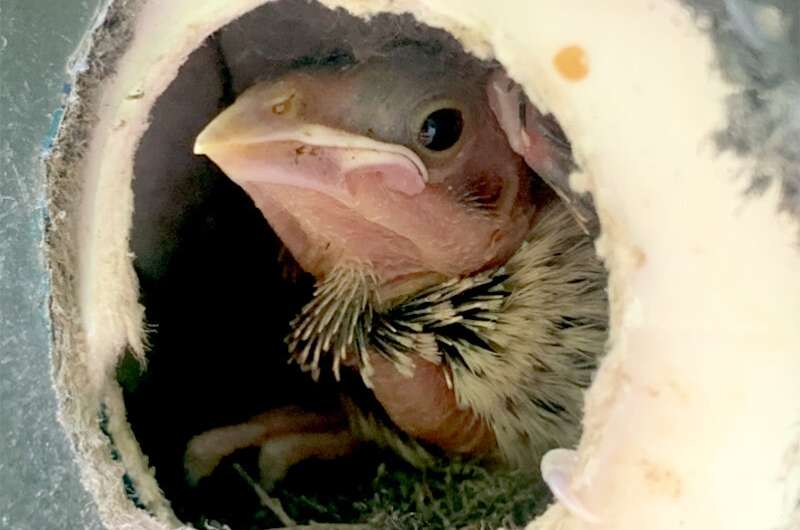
point(453, 495)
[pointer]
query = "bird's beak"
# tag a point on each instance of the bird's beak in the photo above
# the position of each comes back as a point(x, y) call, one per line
point(263, 139)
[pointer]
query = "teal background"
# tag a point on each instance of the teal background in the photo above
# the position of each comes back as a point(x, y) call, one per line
point(39, 485)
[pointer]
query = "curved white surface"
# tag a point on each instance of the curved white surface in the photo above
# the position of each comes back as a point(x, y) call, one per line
point(694, 419)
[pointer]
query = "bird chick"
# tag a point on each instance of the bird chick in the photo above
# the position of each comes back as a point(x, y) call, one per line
point(469, 300)
point(396, 166)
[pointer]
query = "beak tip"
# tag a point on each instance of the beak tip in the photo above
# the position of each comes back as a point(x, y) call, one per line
point(210, 137)
point(203, 144)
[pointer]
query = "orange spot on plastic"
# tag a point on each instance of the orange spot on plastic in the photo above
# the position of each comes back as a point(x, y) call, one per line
point(571, 62)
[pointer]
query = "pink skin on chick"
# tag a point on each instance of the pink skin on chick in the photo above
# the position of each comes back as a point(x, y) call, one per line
point(400, 165)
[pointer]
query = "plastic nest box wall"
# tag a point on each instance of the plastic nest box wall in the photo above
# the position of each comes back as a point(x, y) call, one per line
point(680, 119)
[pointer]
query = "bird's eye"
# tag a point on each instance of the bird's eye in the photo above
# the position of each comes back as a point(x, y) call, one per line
point(441, 130)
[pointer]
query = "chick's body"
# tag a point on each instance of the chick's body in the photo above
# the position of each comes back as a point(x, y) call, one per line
point(515, 347)
point(469, 300)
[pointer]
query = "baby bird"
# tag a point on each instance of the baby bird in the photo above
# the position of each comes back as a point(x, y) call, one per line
point(466, 297)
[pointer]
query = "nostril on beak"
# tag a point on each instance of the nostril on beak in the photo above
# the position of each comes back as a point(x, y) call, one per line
point(283, 106)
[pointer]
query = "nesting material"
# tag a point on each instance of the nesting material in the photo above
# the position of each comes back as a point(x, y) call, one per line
point(692, 420)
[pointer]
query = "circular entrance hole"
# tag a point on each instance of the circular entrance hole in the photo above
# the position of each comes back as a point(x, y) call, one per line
point(221, 290)
point(683, 336)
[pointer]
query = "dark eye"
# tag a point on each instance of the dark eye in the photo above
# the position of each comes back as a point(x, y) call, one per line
point(441, 129)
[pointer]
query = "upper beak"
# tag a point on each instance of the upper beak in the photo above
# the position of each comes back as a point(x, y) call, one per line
point(262, 139)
